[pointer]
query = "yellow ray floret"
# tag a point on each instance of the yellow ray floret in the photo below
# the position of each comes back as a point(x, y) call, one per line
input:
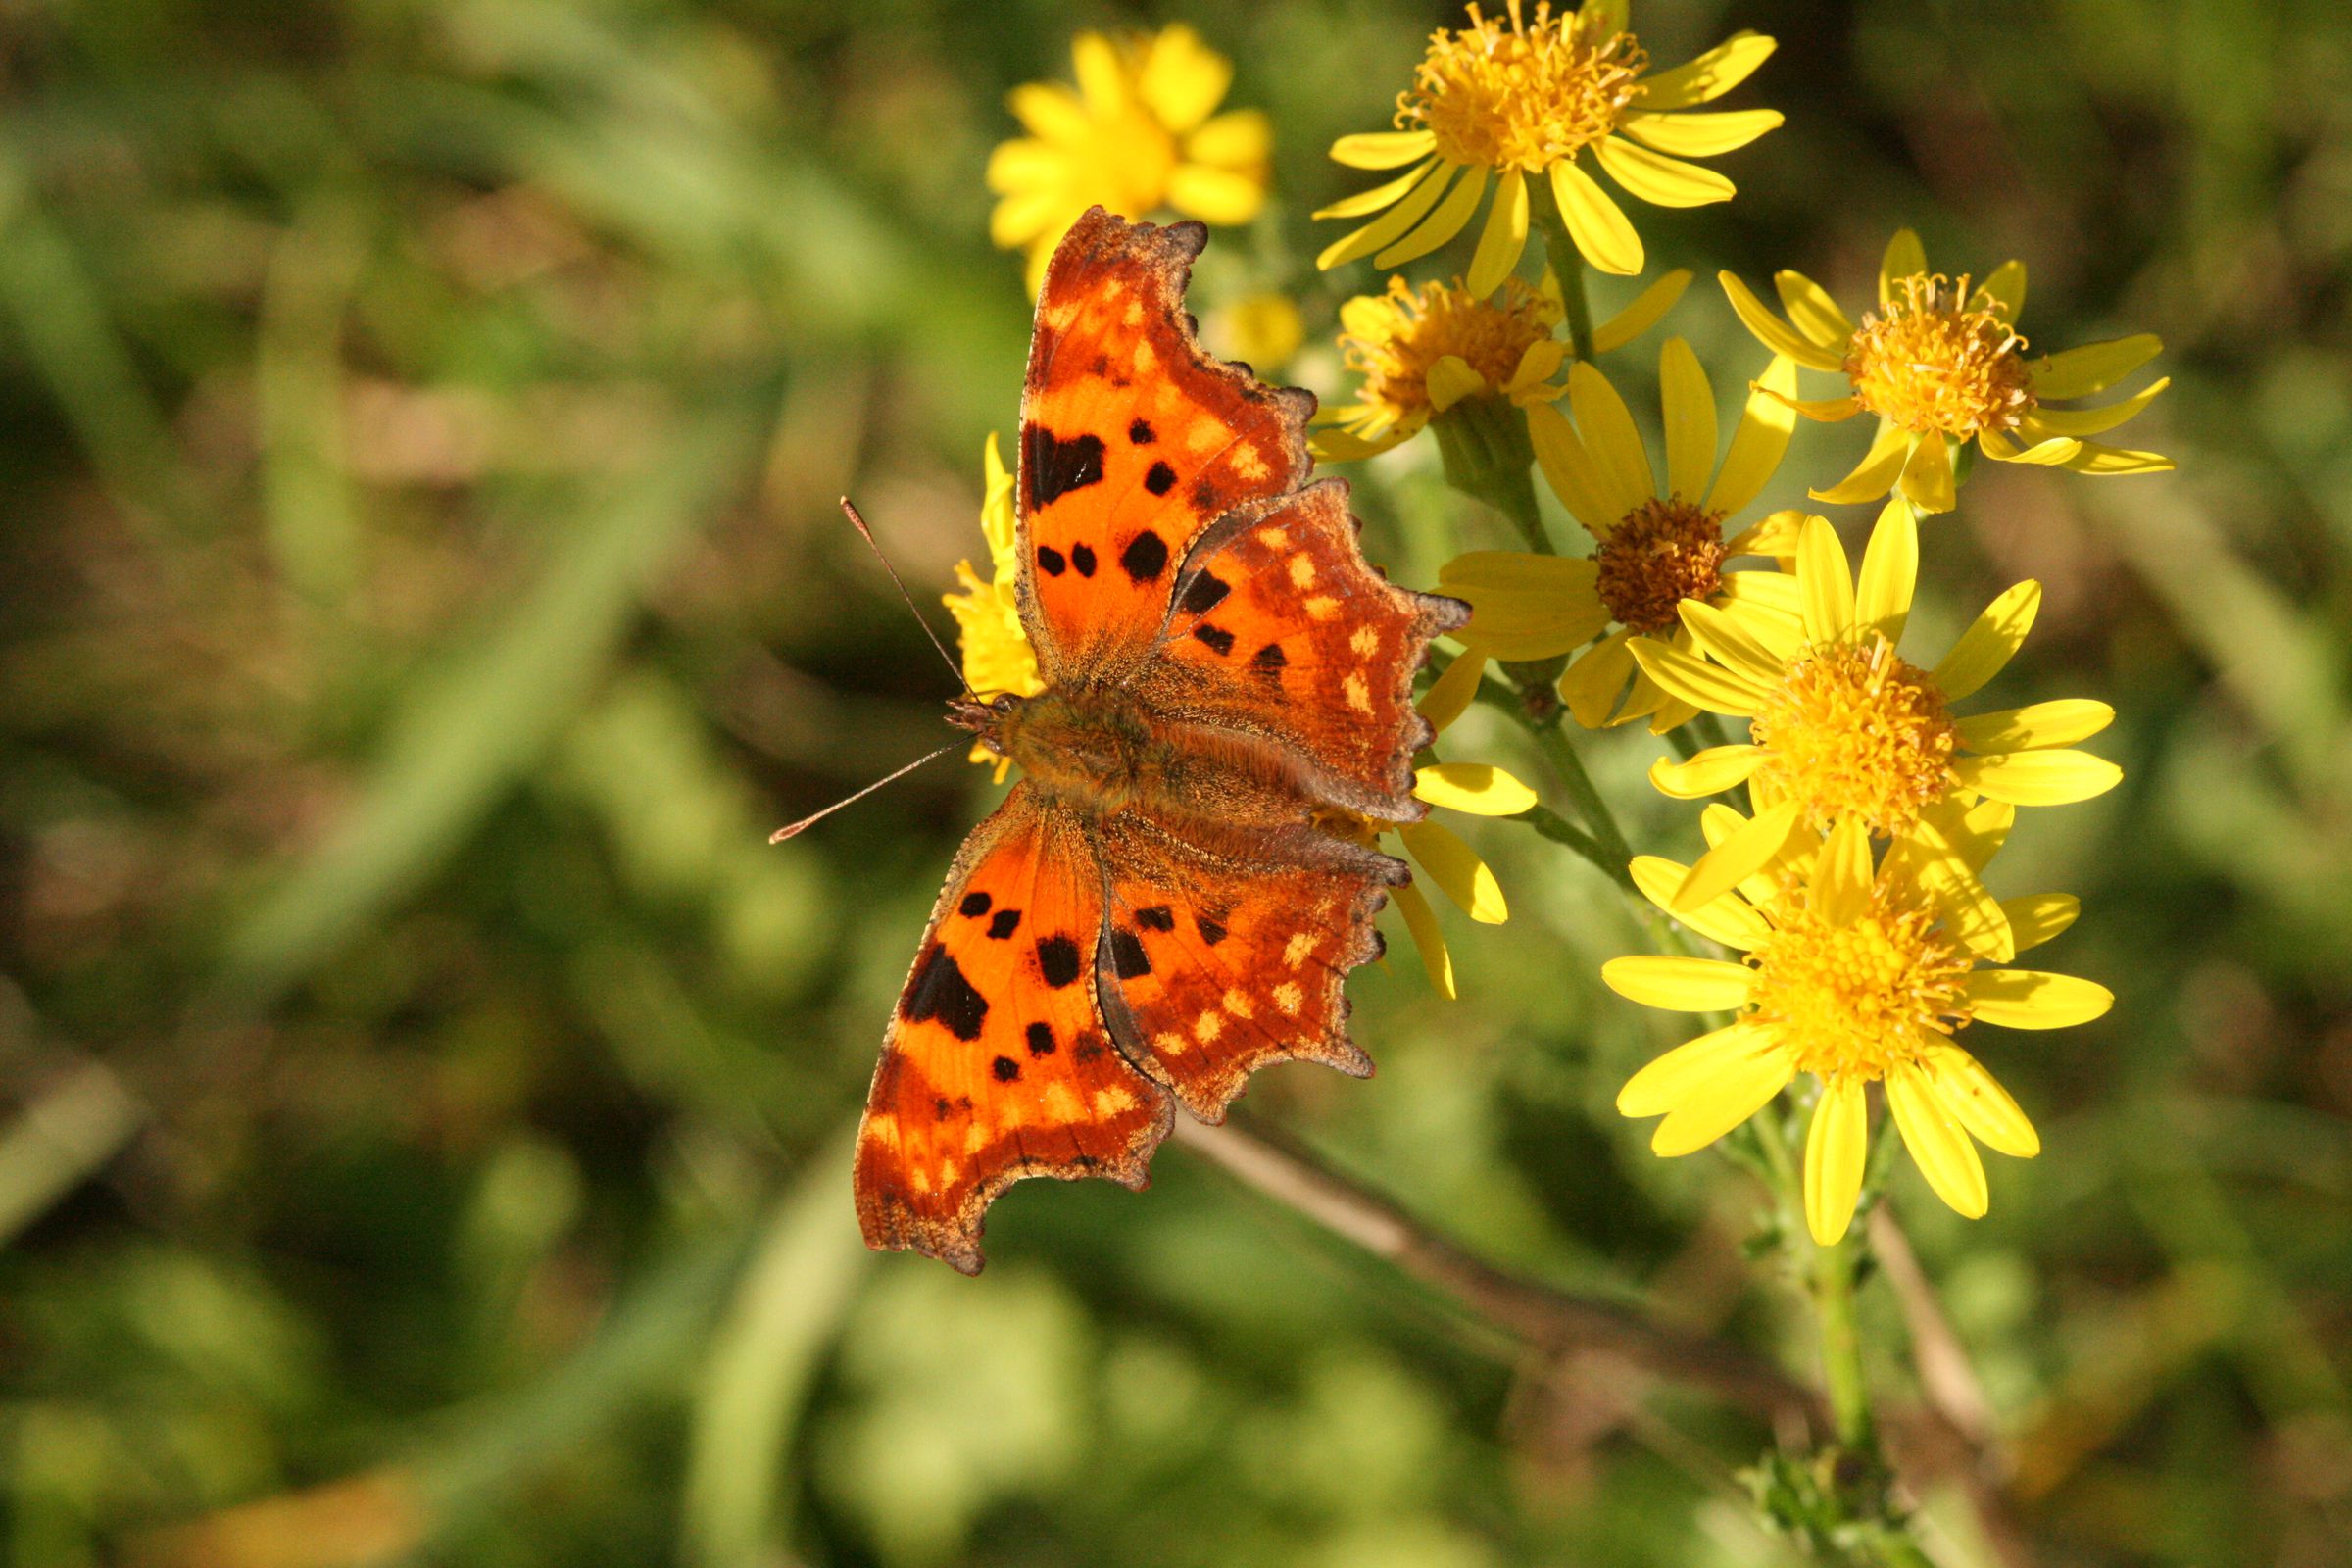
point(1940, 364)
point(1533, 106)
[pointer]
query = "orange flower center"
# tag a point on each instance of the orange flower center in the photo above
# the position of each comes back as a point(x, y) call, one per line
point(1510, 96)
point(1861, 999)
point(1856, 731)
point(1392, 344)
point(1940, 357)
point(1662, 553)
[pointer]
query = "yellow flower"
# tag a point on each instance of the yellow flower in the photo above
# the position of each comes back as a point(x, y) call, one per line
point(1855, 976)
point(997, 655)
point(1844, 729)
point(1136, 136)
point(1659, 543)
point(1939, 363)
point(1514, 100)
point(1260, 331)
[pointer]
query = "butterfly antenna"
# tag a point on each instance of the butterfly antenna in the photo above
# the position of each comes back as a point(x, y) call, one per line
point(805, 822)
point(867, 534)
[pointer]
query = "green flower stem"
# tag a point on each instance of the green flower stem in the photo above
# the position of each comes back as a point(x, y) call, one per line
point(1609, 851)
point(1567, 266)
point(1484, 443)
point(1552, 825)
point(1841, 1345)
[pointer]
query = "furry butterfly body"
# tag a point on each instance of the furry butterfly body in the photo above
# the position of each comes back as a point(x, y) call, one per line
point(1162, 904)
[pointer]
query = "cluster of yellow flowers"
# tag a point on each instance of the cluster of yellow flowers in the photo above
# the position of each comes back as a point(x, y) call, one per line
point(1851, 893)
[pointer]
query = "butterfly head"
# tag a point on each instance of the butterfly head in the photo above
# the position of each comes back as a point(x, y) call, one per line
point(989, 720)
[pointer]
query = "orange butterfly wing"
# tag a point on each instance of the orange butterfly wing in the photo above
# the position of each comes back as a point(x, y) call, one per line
point(999, 1063)
point(1133, 442)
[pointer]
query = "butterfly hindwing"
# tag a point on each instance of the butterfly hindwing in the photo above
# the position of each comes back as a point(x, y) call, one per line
point(1133, 442)
point(997, 1063)
point(1282, 628)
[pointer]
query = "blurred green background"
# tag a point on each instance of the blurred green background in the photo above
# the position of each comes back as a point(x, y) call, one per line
point(423, 1097)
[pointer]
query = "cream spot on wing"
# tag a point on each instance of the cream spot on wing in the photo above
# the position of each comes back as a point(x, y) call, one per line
point(1359, 694)
point(948, 1171)
point(1208, 1027)
point(1061, 1103)
point(1321, 607)
point(1238, 1005)
point(1060, 315)
point(1205, 435)
point(1294, 952)
point(1134, 314)
point(1288, 997)
point(1146, 359)
point(1170, 1044)
point(1303, 570)
point(883, 1128)
point(1111, 1101)
point(918, 1178)
point(1363, 642)
point(975, 1136)
point(1247, 463)
point(1273, 538)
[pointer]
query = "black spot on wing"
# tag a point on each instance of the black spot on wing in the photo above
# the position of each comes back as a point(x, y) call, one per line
point(1127, 956)
point(1005, 1068)
point(1041, 1039)
point(1049, 562)
point(974, 905)
point(1158, 918)
point(1083, 558)
point(1160, 479)
point(1204, 593)
point(1142, 434)
point(1212, 931)
point(1006, 922)
point(1217, 638)
point(1055, 467)
point(1269, 659)
point(1058, 960)
point(1145, 557)
point(940, 990)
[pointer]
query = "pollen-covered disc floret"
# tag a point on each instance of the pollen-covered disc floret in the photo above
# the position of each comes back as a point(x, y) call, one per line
point(1506, 95)
point(1861, 999)
point(1855, 730)
point(1395, 341)
point(1663, 552)
point(1938, 358)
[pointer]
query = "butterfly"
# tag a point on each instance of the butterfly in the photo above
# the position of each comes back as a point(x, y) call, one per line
point(1161, 905)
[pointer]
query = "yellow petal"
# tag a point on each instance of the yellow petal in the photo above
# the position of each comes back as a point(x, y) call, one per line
point(1022, 163)
point(1825, 585)
point(1182, 79)
point(1989, 642)
point(1649, 307)
point(1812, 311)
point(1843, 874)
point(1378, 197)
point(1708, 78)
point(2094, 458)
point(2054, 723)
point(2007, 285)
point(1383, 149)
point(2049, 452)
point(1688, 405)
point(1937, 1141)
point(1658, 180)
point(2038, 778)
point(1701, 136)
point(1342, 446)
point(1890, 573)
point(1428, 937)
point(2097, 422)
point(1241, 139)
point(1968, 910)
point(1102, 75)
point(1668, 1082)
point(1717, 1104)
point(2028, 999)
point(1694, 680)
point(1837, 1148)
point(1776, 536)
point(1875, 473)
point(1450, 695)
point(1473, 787)
point(2092, 367)
point(1503, 238)
point(1451, 379)
point(1050, 112)
point(1593, 684)
point(1981, 1105)
point(1525, 606)
point(1449, 218)
point(1611, 438)
point(2039, 916)
point(1603, 237)
point(1216, 195)
point(1568, 468)
point(1708, 772)
point(1739, 856)
point(1927, 479)
point(1678, 985)
point(1904, 257)
point(1731, 642)
point(1391, 224)
point(1730, 920)
point(1457, 870)
point(1773, 332)
point(1759, 440)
